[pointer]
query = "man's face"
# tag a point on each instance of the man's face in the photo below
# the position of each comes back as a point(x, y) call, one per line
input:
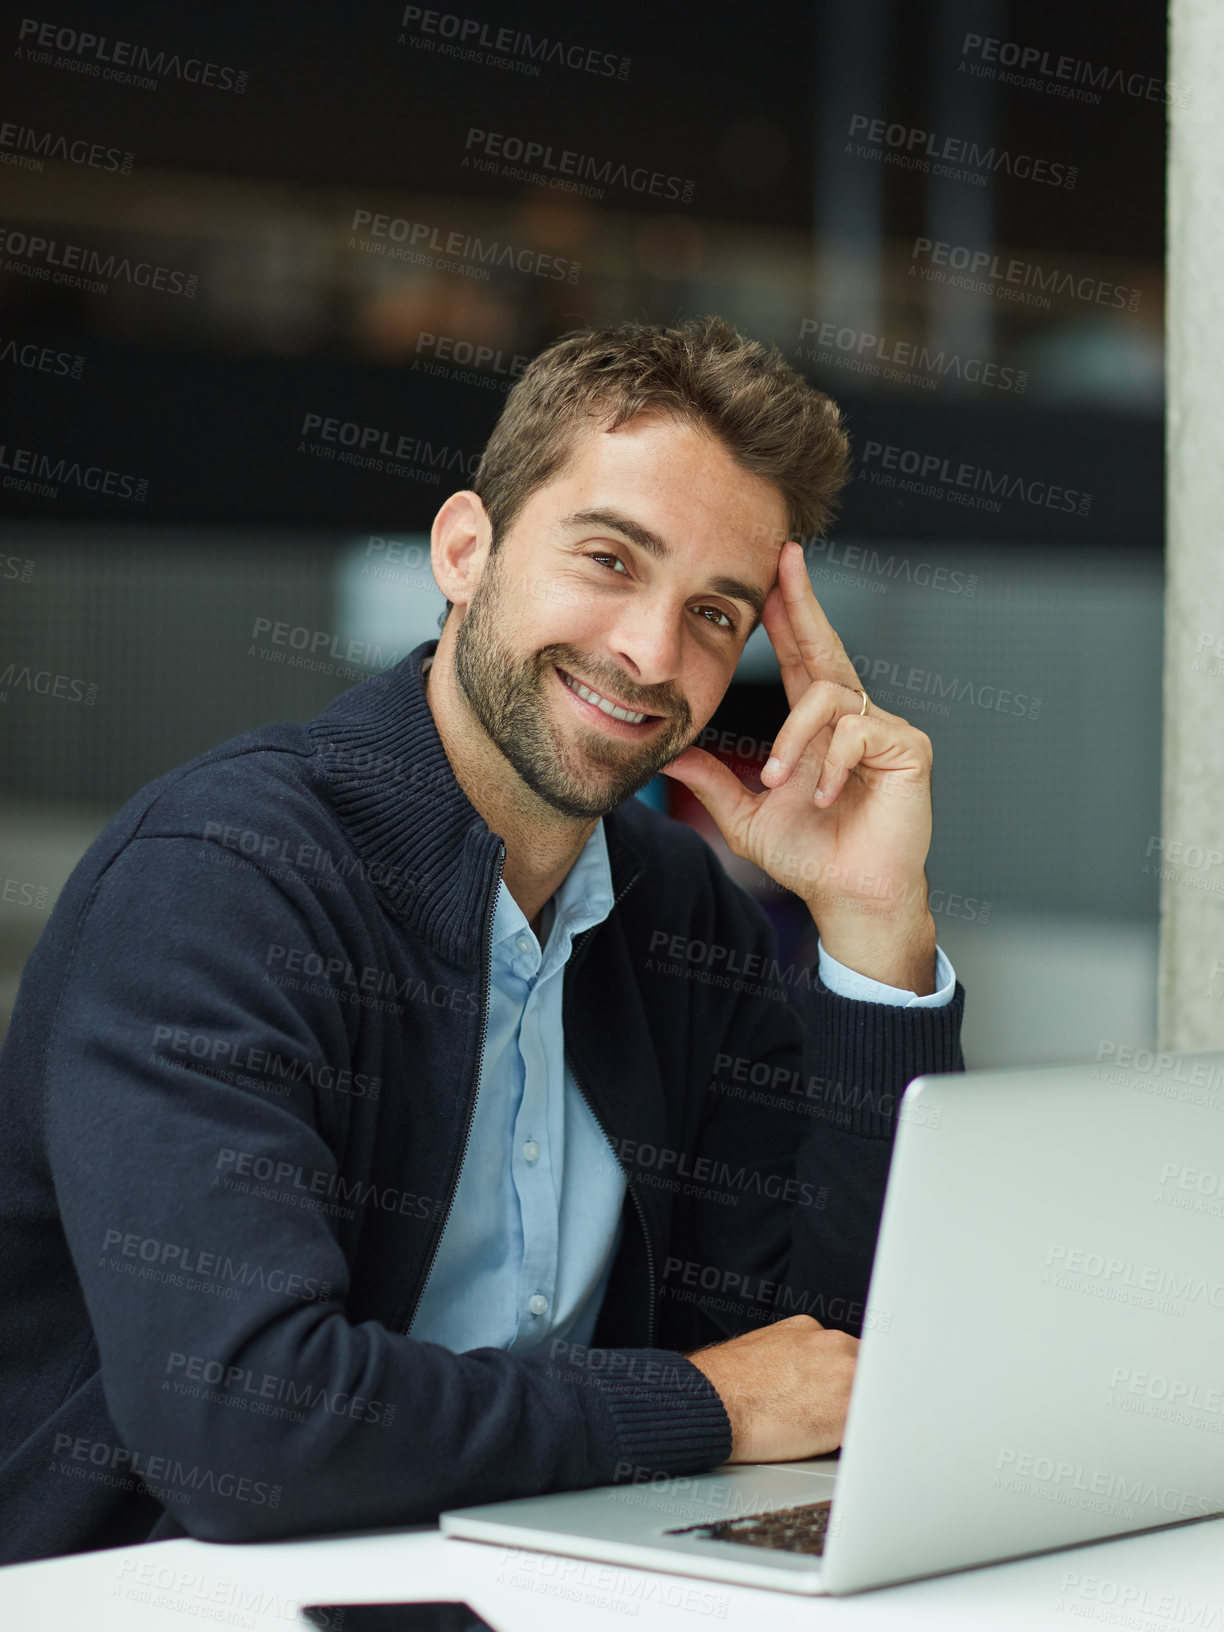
point(639, 573)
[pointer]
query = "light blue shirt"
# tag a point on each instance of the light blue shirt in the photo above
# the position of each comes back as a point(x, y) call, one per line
point(535, 1224)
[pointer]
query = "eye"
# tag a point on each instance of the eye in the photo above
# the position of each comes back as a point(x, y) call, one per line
point(728, 623)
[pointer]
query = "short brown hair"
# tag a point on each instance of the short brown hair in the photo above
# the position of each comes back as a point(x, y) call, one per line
point(771, 421)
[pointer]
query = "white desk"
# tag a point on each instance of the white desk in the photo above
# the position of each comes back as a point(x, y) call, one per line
point(1159, 1582)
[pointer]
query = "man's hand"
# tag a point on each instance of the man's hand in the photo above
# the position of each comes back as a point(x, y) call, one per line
point(845, 816)
point(786, 1388)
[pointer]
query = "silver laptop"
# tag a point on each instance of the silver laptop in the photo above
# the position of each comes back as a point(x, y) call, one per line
point(1042, 1361)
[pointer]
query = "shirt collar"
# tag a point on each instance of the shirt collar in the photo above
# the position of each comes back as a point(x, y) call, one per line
point(584, 896)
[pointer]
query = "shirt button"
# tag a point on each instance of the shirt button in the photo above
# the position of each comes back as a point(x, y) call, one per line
point(537, 1303)
point(531, 1151)
point(523, 942)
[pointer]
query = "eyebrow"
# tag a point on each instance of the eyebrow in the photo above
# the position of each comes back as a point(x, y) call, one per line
point(653, 545)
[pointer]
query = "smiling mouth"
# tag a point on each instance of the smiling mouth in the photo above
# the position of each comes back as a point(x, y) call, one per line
point(614, 711)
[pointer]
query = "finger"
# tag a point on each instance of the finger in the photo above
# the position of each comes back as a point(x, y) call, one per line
point(876, 744)
point(822, 705)
point(822, 654)
point(795, 676)
point(718, 788)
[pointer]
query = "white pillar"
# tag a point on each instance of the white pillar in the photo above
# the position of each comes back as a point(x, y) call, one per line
point(1191, 1013)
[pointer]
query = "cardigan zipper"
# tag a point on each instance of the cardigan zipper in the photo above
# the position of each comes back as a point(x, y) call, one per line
point(629, 1185)
point(637, 1202)
point(471, 1110)
point(486, 970)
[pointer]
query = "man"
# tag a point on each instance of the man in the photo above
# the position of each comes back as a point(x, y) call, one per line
point(366, 1150)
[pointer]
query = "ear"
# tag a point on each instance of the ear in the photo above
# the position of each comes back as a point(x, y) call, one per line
point(459, 546)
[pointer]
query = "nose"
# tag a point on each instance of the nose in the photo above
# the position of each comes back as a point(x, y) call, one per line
point(645, 639)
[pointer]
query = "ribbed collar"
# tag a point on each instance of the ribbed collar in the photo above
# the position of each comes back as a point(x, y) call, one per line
point(425, 845)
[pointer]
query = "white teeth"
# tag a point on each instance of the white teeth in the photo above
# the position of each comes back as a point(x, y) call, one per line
point(589, 696)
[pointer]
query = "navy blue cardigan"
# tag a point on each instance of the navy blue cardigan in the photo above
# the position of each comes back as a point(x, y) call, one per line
point(233, 1105)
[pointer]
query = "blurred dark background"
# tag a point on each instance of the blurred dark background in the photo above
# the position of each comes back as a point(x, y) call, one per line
point(266, 277)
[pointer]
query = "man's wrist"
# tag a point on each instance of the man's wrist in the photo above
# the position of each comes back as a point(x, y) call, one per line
point(707, 1363)
point(894, 951)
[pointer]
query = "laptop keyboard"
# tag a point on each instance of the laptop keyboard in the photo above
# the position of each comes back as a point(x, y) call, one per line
point(799, 1529)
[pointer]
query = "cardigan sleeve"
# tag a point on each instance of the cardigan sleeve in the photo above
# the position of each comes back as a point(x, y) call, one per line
point(795, 1139)
point(257, 1407)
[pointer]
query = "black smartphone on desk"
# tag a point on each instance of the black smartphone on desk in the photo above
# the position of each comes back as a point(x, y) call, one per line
point(438, 1617)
